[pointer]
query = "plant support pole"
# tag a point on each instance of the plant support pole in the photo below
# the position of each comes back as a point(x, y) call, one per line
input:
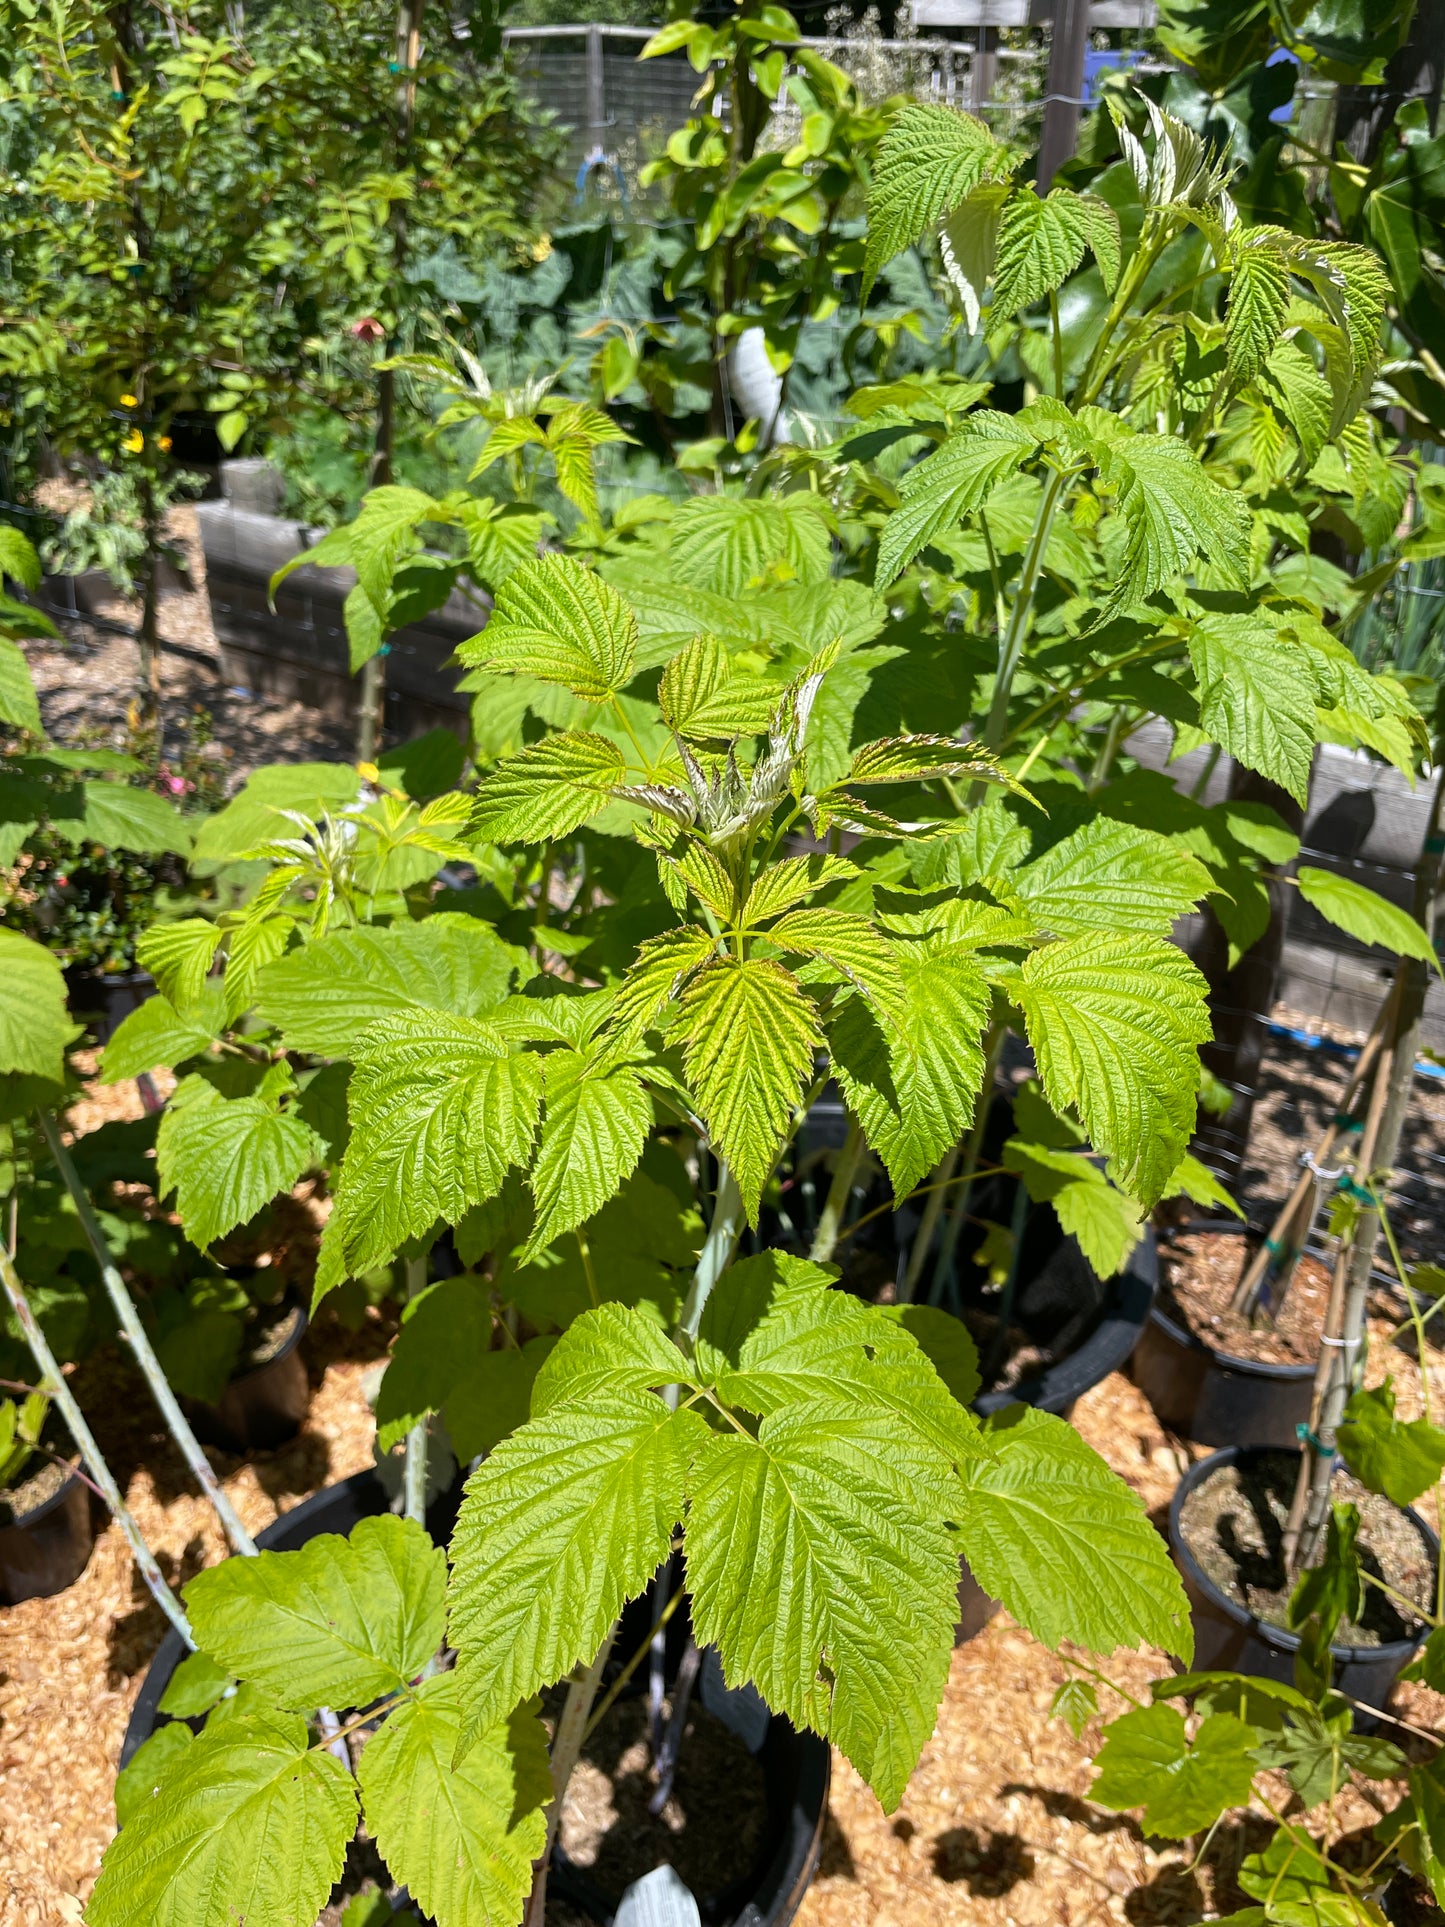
point(54, 1384)
point(141, 1349)
point(1339, 1348)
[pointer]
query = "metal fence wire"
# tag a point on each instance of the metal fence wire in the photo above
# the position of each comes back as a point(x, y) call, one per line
point(618, 110)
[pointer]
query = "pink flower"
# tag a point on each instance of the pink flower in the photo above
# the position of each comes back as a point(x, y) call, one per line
point(177, 785)
point(368, 328)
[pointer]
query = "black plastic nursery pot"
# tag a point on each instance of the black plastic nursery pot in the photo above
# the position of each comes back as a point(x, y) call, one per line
point(102, 999)
point(1058, 1273)
point(795, 1766)
point(768, 1889)
point(1229, 1638)
point(1199, 1392)
point(263, 1408)
point(46, 1549)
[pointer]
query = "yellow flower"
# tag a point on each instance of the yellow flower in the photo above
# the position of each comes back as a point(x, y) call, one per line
point(164, 444)
point(135, 441)
point(542, 248)
point(130, 401)
point(368, 772)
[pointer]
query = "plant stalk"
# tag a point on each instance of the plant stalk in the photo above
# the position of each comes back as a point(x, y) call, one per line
point(716, 1253)
point(55, 1385)
point(141, 1349)
point(948, 1244)
point(835, 1208)
point(1011, 648)
point(918, 1254)
point(414, 1477)
point(566, 1750)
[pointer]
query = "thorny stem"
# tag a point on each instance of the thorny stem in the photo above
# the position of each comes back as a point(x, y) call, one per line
point(85, 1439)
point(142, 1350)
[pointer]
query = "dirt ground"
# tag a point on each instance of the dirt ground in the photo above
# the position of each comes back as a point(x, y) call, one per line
point(86, 680)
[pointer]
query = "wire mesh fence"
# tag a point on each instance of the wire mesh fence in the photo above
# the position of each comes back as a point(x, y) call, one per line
point(618, 110)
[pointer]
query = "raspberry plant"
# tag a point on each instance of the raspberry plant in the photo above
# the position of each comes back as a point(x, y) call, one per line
point(732, 840)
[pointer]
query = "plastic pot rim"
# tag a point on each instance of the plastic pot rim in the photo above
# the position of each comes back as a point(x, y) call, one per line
point(1191, 1341)
point(22, 1520)
point(1107, 1348)
point(1277, 1636)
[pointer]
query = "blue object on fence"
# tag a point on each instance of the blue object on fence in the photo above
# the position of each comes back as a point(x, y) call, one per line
point(607, 163)
point(1109, 60)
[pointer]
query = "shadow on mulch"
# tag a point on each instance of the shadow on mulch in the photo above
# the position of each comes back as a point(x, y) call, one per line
point(834, 1859)
point(989, 1866)
point(133, 1638)
point(1078, 1813)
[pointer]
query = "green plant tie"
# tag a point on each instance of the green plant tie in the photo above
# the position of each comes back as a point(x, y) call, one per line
point(1342, 1121)
point(1306, 1437)
point(1355, 1191)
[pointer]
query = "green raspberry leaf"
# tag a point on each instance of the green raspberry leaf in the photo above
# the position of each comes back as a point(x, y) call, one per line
point(249, 1824)
point(842, 1611)
point(1364, 913)
point(1184, 1786)
point(912, 1082)
point(560, 623)
point(35, 1026)
point(461, 1838)
point(338, 1623)
point(565, 1521)
point(1390, 1455)
point(548, 790)
point(323, 997)
point(749, 1040)
point(1115, 1023)
point(1062, 1541)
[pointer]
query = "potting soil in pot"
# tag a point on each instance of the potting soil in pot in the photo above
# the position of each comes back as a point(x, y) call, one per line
point(1233, 1524)
point(1198, 1274)
point(1020, 1357)
point(270, 1334)
point(32, 1492)
point(711, 1828)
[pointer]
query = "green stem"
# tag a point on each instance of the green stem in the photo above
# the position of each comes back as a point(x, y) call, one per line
point(142, 1350)
point(928, 1224)
point(830, 1223)
point(414, 1476)
point(55, 1386)
point(566, 1751)
point(1011, 648)
point(716, 1253)
point(948, 1245)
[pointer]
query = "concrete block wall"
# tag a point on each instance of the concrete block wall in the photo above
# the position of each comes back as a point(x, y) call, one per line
point(297, 651)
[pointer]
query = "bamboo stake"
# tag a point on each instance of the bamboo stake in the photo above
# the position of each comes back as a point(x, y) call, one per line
point(1339, 1345)
point(144, 1354)
point(53, 1383)
point(1283, 1242)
